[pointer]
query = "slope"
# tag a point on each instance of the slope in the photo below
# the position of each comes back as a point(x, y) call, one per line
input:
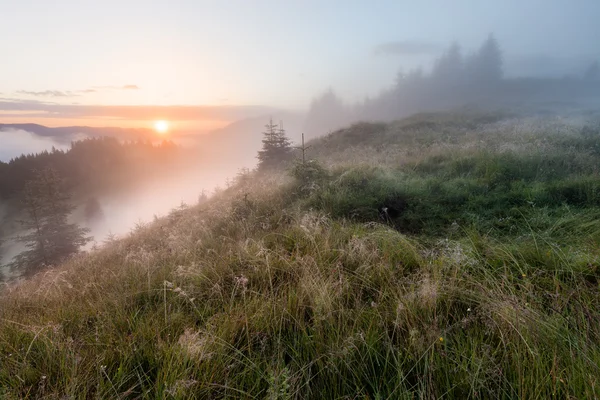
point(426, 259)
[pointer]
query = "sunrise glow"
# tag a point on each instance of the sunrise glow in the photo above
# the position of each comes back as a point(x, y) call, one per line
point(161, 127)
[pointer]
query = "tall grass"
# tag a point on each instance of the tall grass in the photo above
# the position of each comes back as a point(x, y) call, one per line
point(483, 285)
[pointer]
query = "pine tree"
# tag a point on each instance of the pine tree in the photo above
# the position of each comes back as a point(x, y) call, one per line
point(448, 69)
point(486, 65)
point(326, 112)
point(50, 238)
point(276, 148)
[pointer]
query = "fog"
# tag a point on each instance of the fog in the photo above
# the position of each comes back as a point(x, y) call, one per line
point(120, 212)
point(15, 142)
point(369, 63)
point(486, 77)
point(155, 198)
point(454, 79)
point(203, 163)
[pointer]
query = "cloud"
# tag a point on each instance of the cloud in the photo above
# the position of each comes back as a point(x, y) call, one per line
point(69, 93)
point(546, 65)
point(48, 93)
point(20, 103)
point(16, 142)
point(407, 47)
point(36, 108)
point(123, 87)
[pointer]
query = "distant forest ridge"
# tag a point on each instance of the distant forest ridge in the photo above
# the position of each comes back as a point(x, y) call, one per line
point(94, 163)
point(456, 80)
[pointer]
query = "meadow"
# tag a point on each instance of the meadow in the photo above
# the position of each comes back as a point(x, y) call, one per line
point(447, 255)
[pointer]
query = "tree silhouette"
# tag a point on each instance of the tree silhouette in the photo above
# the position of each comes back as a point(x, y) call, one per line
point(50, 238)
point(276, 148)
point(448, 69)
point(326, 112)
point(486, 65)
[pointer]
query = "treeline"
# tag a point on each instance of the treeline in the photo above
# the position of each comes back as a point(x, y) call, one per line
point(49, 237)
point(456, 80)
point(39, 192)
point(92, 165)
point(40, 189)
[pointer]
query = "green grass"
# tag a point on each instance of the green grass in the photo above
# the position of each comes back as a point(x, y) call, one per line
point(485, 285)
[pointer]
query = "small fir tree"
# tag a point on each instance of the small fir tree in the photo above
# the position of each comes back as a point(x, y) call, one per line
point(276, 149)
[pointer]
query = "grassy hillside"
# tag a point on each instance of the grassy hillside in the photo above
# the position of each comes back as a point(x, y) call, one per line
point(452, 256)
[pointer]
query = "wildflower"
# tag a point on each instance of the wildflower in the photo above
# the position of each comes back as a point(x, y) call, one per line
point(241, 281)
point(469, 309)
point(180, 291)
point(441, 339)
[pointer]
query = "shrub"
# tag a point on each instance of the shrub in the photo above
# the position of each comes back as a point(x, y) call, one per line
point(309, 176)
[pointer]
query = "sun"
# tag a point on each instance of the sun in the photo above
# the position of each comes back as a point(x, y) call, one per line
point(161, 127)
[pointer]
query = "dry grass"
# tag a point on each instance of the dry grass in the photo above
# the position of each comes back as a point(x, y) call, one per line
point(265, 293)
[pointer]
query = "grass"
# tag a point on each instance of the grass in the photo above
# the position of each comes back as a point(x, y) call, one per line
point(484, 284)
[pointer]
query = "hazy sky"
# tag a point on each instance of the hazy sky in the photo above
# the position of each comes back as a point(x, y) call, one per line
point(270, 52)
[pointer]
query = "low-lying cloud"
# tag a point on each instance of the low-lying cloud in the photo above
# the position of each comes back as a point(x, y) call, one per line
point(407, 47)
point(16, 142)
point(546, 65)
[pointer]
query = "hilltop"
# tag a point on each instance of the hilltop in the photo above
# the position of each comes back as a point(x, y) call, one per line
point(444, 255)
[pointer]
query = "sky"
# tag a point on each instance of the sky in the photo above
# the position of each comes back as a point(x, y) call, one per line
point(89, 62)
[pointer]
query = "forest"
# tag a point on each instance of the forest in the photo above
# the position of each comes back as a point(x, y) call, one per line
point(92, 165)
point(75, 178)
point(456, 80)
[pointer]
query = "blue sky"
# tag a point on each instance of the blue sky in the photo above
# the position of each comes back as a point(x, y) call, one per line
point(270, 52)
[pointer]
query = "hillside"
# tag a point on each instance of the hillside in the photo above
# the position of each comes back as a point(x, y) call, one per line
point(444, 255)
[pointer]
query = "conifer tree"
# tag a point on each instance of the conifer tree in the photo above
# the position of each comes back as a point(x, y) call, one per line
point(486, 65)
point(276, 148)
point(448, 69)
point(326, 112)
point(50, 238)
